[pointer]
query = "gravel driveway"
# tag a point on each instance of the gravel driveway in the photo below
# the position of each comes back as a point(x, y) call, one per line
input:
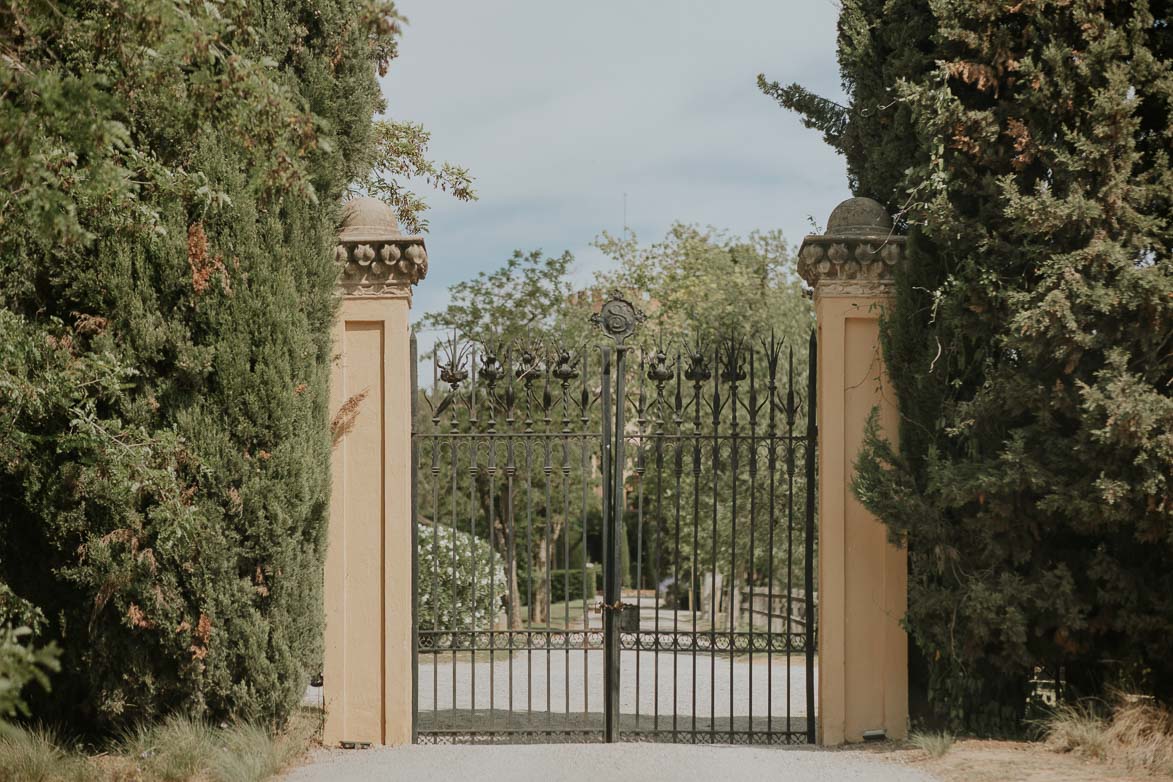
point(599, 763)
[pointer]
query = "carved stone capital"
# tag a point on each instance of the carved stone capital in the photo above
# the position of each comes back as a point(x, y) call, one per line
point(381, 267)
point(824, 259)
point(857, 256)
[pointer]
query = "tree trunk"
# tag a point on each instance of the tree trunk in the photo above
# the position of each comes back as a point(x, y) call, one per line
point(542, 598)
point(513, 597)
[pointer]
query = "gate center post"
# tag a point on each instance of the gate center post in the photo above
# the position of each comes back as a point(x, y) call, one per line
point(618, 319)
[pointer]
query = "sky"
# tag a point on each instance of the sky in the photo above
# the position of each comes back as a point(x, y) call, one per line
point(560, 108)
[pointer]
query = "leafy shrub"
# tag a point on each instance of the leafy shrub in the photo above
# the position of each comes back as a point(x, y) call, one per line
point(21, 663)
point(457, 588)
point(172, 174)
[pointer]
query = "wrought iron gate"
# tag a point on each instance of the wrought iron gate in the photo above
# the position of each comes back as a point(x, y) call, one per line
point(687, 472)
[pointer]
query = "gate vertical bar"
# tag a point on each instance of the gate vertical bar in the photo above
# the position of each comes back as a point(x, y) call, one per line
point(809, 584)
point(608, 559)
point(588, 593)
point(415, 463)
point(614, 577)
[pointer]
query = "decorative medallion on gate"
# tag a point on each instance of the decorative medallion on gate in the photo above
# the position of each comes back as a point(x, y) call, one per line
point(618, 317)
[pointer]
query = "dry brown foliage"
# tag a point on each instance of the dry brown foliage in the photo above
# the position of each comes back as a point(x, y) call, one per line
point(344, 419)
point(203, 264)
point(1138, 734)
point(89, 324)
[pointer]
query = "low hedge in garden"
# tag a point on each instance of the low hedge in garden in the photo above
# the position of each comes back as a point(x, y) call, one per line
point(558, 584)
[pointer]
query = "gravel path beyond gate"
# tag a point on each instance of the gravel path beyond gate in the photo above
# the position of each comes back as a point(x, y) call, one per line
point(723, 687)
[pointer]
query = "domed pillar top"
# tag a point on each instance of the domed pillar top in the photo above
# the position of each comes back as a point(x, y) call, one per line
point(376, 259)
point(857, 254)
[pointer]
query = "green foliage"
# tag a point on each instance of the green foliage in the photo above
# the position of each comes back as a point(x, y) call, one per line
point(170, 175)
point(703, 284)
point(400, 154)
point(526, 299)
point(1029, 344)
point(817, 112)
point(461, 581)
point(881, 44)
point(22, 664)
point(577, 591)
point(559, 579)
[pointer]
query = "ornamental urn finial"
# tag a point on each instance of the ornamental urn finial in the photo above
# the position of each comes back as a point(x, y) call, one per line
point(375, 258)
point(859, 250)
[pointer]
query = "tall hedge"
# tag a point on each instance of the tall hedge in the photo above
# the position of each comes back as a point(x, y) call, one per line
point(1030, 346)
point(170, 174)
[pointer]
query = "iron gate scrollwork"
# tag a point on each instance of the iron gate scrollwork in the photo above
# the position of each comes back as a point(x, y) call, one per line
point(686, 472)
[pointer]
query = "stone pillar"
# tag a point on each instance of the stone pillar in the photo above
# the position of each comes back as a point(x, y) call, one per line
point(368, 656)
point(862, 578)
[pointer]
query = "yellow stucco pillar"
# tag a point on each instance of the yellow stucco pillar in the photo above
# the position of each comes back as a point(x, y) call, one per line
point(367, 673)
point(863, 579)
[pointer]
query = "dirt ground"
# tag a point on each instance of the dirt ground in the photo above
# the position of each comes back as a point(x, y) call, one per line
point(973, 760)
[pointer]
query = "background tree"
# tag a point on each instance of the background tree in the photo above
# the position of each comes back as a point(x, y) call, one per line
point(524, 308)
point(1029, 347)
point(695, 285)
point(703, 284)
point(170, 175)
point(707, 292)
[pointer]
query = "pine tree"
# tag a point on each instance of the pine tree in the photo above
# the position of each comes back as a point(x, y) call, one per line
point(1030, 348)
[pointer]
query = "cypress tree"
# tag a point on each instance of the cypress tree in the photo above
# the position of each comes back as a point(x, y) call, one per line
point(880, 43)
point(1030, 348)
point(171, 174)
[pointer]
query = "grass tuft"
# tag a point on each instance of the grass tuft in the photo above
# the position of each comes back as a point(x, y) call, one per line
point(1077, 728)
point(35, 755)
point(1137, 733)
point(179, 749)
point(934, 744)
point(173, 751)
point(251, 754)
